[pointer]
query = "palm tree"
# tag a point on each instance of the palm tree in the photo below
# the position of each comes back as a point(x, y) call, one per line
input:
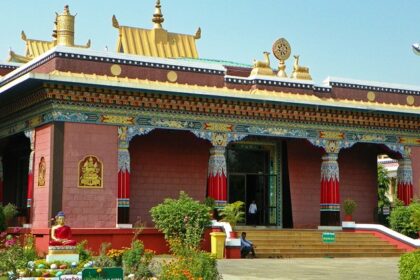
point(383, 186)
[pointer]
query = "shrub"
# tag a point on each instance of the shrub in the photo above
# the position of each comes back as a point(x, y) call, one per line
point(401, 220)
point(195, 265)
point(136, 260)
point(183, 219)
point(3, 225)
point(84, 253)
point(10, 211)
point(103, 260)
point(349, 206)
point(409, 266)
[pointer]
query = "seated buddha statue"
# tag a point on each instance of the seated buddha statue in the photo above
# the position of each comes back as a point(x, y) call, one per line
point(90, 173)
point(60, 233)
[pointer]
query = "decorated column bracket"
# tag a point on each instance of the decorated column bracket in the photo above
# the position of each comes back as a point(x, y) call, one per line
point(405, 177)
point(29, 201)
point(217, 172)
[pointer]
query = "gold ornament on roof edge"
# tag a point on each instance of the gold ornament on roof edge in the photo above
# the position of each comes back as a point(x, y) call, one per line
point(282, 51)
point(262, 67)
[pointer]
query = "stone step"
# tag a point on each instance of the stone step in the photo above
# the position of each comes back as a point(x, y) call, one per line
point(328, 255)
point(330, 249)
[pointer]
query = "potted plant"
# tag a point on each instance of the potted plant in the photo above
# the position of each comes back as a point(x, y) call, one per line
point(233, 213)
point(211, 204)
point(349, 206)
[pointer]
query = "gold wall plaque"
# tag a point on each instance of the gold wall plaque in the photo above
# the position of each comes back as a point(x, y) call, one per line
point(172, 76)
point(371, 96)
point(116, 70)
point(90, 172)
point(42, 170)
point(410, 100)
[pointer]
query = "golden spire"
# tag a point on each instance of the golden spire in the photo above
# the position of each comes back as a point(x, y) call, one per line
point(65, 28)
point(157, 16)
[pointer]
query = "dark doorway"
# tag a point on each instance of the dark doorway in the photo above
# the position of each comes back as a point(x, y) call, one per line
point(250, 179)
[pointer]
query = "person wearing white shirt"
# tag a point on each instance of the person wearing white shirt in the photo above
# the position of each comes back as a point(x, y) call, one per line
point(252, 211)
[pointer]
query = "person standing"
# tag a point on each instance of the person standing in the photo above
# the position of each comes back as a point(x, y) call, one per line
point(252, 211)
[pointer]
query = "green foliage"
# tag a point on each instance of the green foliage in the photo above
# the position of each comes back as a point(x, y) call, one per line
point(136, 260)
point(383, 186)
point(233, 213)
point(402, 219)
point(415, 216)
point(349, 206)
point(210, 202)
point(103, 260)
point(184, 219)
point(14, 255)
point(409, 266)
point(194, 265)
point(84, 253)
point(3, 224)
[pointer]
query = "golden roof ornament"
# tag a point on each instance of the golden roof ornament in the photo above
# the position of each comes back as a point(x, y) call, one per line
point(282, 51)
point(157, 16)
point(63, 35)
point(155, 42)
point(262, 67)
point(300, 72)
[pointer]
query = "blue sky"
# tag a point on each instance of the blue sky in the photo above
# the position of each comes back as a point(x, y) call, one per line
point(359, 39)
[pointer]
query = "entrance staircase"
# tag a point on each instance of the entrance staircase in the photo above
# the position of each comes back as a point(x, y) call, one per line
point(279, 243)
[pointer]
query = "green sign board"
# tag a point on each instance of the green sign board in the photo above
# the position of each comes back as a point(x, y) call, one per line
point(108, 273)
point(328, 237)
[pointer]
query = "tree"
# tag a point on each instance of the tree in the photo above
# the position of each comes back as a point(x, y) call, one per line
point(383, 186)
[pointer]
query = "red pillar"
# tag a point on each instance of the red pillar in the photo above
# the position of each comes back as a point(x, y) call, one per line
point(330, 190)
point(216, 179)
point(123, 186)
point(30, 196)
point(405, 180)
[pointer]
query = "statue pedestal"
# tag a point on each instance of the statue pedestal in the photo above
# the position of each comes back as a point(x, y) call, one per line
point(62, 253)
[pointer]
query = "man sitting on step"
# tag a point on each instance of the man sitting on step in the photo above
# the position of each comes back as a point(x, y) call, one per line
point(246, 246)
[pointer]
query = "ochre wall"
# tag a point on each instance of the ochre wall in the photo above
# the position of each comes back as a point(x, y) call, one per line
point(415, 161)
point(357, 181)
point(41, 211)
point(163, 163)
point(90, 208)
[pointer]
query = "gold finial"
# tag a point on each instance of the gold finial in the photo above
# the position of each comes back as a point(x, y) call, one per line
point(281, 50)
point(197, 34)
point(23, 35)
point(157, 16)
point(115, 22)
point(65, 28)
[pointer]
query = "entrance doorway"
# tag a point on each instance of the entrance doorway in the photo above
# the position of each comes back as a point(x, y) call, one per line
point(251, 177)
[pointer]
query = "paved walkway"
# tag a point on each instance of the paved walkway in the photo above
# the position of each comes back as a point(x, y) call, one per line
point(303, 269)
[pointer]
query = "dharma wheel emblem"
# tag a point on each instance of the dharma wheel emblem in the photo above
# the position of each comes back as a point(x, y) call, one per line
point(281, 49)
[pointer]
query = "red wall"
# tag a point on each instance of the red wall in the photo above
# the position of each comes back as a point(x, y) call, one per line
point(163, 163)
point(90, 208)
point(42, 194)
point(358, 178)
point(415, 159)
point(304, 174)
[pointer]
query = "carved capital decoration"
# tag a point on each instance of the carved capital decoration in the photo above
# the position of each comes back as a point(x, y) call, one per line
point(90, 172)
point(329, 168)
point(217, 161)
point(42, 170)
point(405, 172)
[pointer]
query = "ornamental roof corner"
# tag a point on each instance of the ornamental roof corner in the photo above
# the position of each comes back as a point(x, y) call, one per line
point(155, 42)
point(63, 35)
